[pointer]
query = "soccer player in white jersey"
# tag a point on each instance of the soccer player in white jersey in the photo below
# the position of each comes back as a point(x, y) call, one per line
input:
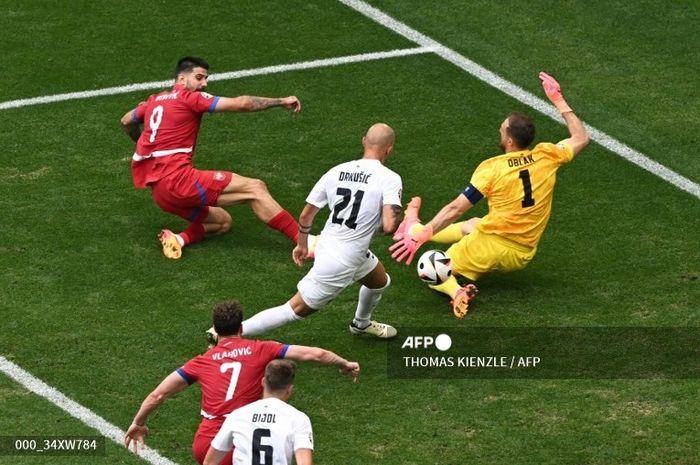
point(364, 197)
point(268, 430)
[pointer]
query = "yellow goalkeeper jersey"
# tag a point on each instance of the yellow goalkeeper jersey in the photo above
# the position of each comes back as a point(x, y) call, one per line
point(519, 187)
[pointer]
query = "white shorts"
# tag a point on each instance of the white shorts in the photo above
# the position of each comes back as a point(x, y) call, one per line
point(328, 277)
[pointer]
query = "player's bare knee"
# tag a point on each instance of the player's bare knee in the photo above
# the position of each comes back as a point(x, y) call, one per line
point(377, 282)
point(225, 226)
point(225, 221)
point(259, 188)
point(388, 282)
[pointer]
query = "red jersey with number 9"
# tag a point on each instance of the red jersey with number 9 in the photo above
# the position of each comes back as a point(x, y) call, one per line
point(231, 374)
point(171, 121)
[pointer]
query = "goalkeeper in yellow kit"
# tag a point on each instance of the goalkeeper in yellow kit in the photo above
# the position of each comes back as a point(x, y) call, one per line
point(519, 186)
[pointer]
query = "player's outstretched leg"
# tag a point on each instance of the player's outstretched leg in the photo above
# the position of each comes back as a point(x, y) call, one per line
point(461, 296)
point(451, 234)
point(456, 231)
point(216, 221)
point(293, 310)
point(254, 192)
point(171, 246)
point(368, 299)
point(460, 302)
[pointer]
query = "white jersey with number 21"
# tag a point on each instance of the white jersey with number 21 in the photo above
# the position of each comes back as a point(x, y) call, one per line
point(355, 192)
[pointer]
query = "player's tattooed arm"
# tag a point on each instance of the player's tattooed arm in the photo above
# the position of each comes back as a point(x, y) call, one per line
point(290, 103)
point(392, 215)
point(262, 103)
point(253, 103)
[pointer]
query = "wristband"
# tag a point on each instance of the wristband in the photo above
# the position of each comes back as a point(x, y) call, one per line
point(562, 106)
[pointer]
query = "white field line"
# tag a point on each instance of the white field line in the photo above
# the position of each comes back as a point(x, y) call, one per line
point(74, 409)
point(215, 77)
point(522, 95)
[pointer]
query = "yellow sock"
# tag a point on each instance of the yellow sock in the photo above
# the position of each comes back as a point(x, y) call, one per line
point(449, 287)
point(451, 234)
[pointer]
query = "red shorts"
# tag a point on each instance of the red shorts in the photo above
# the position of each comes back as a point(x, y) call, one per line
point(189, 192)
point(202, 441)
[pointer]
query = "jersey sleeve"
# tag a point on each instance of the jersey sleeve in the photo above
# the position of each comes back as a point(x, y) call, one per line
point(223, 440)
point(303, 433)
point(317, 197)
point(139, 113)
point(272, 350)
point(201, 102)
point(190, 370)
point(561, 152)
point(566, 149)
point(480, 183)
point(391, 190)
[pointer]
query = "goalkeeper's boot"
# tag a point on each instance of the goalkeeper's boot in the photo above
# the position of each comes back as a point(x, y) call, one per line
point(380, 330)
point(313, 240)
point(212, 337)
point(460, 302)
point(410, 218)
point(171, 247)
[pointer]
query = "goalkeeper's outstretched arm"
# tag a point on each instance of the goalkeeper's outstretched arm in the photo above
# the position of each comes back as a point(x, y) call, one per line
point(579, 136)
point(450, 213)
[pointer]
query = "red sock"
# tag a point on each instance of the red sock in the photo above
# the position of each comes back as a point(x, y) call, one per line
point(286, 224)
point(193, 233)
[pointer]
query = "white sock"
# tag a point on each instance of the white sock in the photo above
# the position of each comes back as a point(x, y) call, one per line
point(367, 301)
point(269, 319)
point(180, 240)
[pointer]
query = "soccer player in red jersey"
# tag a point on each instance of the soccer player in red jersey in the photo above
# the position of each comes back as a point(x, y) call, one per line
point(230, 375)
point(163, 159)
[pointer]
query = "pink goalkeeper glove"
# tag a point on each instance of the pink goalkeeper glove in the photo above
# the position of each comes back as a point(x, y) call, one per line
point(553, 91)
point(409, 219)
point(406, 247)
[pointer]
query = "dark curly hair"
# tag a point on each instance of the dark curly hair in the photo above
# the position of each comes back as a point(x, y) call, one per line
point(227, 317)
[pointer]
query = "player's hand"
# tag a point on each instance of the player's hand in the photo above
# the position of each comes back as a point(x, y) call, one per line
point(409, 219)
point(405, 248)
point(292, 103)
point(136, 434)
point(553, 90)
point(551, 87)
point(300, 253)
point(351, 369)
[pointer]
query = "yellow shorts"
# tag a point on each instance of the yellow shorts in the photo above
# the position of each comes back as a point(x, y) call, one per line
point(478, 253)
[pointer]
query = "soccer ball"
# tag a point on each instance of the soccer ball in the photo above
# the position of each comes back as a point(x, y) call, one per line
point(434, 267)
